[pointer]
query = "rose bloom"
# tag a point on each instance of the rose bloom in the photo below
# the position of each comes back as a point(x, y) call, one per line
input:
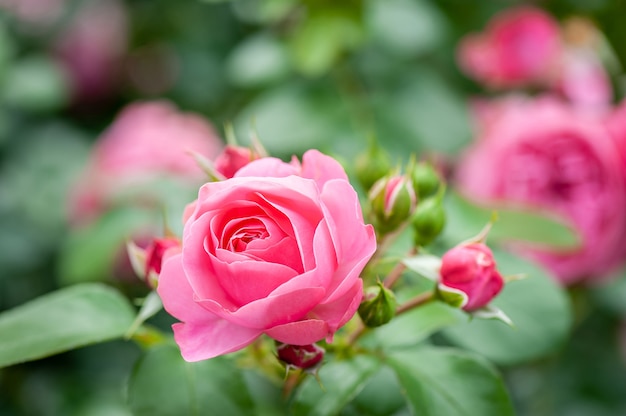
point(470, 270)
point(519, 46)
point(147, 141)
point(543, 154)
point(275, 250)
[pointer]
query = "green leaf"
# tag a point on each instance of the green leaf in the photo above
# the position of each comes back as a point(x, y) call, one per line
point(150, 306)
point(63, 320)
point(163, 383)
point(381, 396)
point(514, 223)
point(406, 27)
point(414, 326)
point(448, 382)
point(260, 59)
point(342, 380)
point(538, 307)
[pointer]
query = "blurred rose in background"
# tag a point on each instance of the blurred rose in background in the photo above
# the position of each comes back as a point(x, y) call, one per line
point(544, 154)
point(146, 142)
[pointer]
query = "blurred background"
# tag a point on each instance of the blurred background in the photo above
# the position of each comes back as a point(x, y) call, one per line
point(332, 75)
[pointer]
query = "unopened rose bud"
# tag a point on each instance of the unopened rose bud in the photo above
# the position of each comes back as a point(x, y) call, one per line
point(378, 306)
point(469, 278)
point(393, 201)
point(426, 180)
point(429, 220)
point(371, 166)
point(234, 158)
point(305, 357)
point(148, 262)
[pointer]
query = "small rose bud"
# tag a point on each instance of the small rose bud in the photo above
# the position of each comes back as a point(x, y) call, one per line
point(305, 357)
point(393, 201)
point(426, 180)
point(429, 220)
point(148, 262)
point(469, 278)
point(378, 306)
point(232, 159)
point(371, 166)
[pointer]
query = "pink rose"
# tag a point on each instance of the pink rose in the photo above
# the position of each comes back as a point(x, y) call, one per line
point(276, 250)
point(470, 270)
point(543, 154)
point(36, 12)
point(520, 46)
point(147, 141)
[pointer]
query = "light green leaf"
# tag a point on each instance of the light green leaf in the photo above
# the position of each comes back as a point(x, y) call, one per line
point(449, 382)
point(63, 320)
point(513, 223)
point(258, 60)
point(538, 307)
point(163, 383)
point(344, 378)
point(151, 304)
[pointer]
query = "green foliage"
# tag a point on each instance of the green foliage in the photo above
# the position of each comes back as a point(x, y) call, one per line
point(344, 378)
point(61, 321)
point(163, 384)
point(438, 381)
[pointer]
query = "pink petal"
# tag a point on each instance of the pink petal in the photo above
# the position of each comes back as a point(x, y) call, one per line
point(271, 311)
point(321, 168)
point(355, 242)
point(299, 333)
point(210, 338)
point(341, 309)
point(267, 167)
point(203, 335)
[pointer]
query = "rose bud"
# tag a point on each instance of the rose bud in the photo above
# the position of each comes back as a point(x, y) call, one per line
point(378, 306)
point(147, 262)
point(304, 357)
point(393, 201)
point(429, 220)
point(234, 158)
point(469, 278)
point(372, 166)
point(426, 180)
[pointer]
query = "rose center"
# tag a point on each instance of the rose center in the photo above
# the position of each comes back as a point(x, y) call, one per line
point(240, 240)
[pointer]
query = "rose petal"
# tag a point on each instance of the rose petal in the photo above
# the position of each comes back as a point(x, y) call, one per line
point(354, 242)
point(341, 309)
point(202, 335)
point(321, 168)
point(271, 311)
point(210, 338)
point(299, 333)
point(267, 167)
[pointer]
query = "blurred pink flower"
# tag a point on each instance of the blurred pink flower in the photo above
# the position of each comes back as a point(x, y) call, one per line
point(234, 158)
point(36, 12)
point(91, 47)
point(276, 250)
point(146, 141)
point(520, 46)
point(544, 154)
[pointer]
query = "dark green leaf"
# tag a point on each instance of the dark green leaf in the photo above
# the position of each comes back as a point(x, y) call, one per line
point(165, 384)
point(538, 307)
point(66, 319)
point(344, 378)
point(449, 382)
